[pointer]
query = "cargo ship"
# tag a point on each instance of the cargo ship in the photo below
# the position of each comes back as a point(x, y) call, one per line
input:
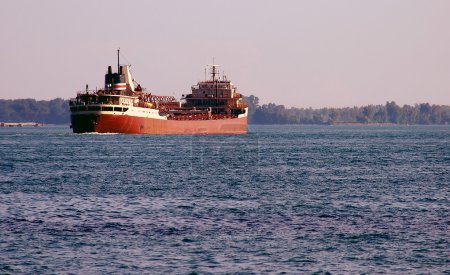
point(214, 106)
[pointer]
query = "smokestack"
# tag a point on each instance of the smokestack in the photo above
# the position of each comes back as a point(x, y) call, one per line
point(109, 70)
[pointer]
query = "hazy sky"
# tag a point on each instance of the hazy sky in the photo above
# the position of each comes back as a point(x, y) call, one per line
point(299, 53)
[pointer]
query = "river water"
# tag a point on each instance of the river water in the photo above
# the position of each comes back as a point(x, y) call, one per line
point(294, 199)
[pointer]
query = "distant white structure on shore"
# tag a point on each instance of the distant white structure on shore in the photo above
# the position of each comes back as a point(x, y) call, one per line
point(20, 124)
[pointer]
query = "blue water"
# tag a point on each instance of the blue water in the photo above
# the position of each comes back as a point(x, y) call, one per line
point(295, 199)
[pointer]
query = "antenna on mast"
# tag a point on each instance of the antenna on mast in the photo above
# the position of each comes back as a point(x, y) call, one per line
point(214, 71)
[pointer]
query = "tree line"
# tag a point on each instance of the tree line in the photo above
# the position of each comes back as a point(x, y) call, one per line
point(56, 111)
point(392, 113)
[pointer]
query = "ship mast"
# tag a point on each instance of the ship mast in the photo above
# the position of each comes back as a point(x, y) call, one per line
point(214, 72)
point(216, 84)
point(118, 60)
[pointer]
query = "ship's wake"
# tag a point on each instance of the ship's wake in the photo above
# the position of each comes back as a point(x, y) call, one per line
point(100, 134)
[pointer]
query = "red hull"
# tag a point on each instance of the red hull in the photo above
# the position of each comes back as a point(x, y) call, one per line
point(139, 125)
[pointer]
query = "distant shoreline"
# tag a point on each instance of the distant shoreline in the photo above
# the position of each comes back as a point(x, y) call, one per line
point(32, 124)
point(56, 111)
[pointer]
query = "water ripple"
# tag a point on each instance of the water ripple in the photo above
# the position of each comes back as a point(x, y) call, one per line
point(290, 199)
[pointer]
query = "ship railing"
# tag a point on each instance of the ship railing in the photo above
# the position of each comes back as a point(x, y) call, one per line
point(144, 104)
point(200, 117)
point(105, 92)
point(238, 105)
point(98, 108)
point(118, 93)
point(87, 92)
point(92, 102)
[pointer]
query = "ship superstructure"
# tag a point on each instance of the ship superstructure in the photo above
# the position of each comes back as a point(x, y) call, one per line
point(214, 106)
